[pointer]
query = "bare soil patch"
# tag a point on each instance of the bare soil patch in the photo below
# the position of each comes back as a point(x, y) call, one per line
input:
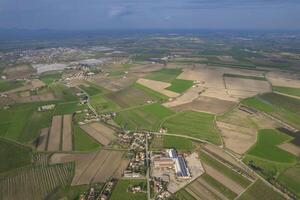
point(55, 134)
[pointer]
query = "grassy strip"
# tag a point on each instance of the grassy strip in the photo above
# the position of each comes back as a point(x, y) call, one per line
point(184, 195)
point(245, 77)
point(219, 186)
point(225, 170)
point(9, 85)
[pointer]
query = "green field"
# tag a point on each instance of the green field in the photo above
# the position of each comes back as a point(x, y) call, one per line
point(266, 147)
point(259, 190)
point(50, 78)
point(165, 75)
point(103, 104)
point(68, 108)
point(121, 190)
point(13, 156)
point(117, 73)
point(62, 92)
point(133, 96)
point(219, 186)
point(183, 195)
point(153, 93)
point(225, 170)
point(178, 143)
point(92, 89)
point(82, 141)
point(9, 85)
point(287, 90)
point(180, 86)
point(290, 178)
point(194, 124)
point(245, 77)
point(283, 107)
point(147, 117)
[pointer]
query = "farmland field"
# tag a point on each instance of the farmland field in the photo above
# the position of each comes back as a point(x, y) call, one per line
point(245, 77)
point(181, 144)
point(283, 107)
point(180, 85)
point(120, 190)
point(43, 180)
point(260, 190)
point(227, 172)
point(50, 78)
point(103, 104)
point(147, 117)
point(9, 85)
point(290, 178)
point(287, 90)
point(266, 147)
point(133, 96)
point(194, 124)
point(92, 89)
point(13, 155)
point(165, 75)
point(82, 141)
point(68, 108)
point(153, 93)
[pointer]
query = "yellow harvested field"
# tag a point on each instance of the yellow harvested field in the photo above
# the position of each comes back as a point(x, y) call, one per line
point(291, 148)
point(42, 141)
point(67, 133)
point(237, 138)
point(100, 132)
point(94, 167)
point(283, 79)
point(158, 86)
point(55, 134)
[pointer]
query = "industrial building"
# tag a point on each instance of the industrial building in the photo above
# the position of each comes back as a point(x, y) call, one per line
point(175, 161)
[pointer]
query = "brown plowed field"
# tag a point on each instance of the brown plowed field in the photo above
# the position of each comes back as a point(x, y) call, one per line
point(55, 134)
point(67, 133)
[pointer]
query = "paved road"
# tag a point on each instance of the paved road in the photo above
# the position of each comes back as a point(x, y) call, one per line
point(148, 167)
point(88, 102)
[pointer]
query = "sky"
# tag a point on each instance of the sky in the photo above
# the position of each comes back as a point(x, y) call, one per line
point(149, 14)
